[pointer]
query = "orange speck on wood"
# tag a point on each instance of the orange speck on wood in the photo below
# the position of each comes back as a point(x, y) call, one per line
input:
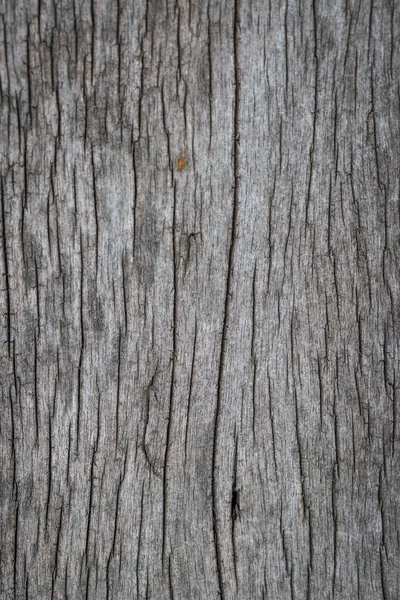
point(181, 162)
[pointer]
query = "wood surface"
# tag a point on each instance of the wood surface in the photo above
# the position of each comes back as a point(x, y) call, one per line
point(200, 300)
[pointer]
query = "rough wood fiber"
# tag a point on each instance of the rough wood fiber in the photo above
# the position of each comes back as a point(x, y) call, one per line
point(200, 236)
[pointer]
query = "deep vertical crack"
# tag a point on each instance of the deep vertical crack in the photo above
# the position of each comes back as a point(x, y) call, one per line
point(228, 290)
point(6, 267)
point(171, 394)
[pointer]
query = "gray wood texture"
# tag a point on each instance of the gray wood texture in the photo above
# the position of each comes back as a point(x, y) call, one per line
point(200, 300)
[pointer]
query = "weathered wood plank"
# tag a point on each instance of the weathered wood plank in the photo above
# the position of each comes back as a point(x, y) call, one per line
point(200, 244)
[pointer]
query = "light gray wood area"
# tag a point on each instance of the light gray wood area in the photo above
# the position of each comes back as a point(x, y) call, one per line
point(200, 300)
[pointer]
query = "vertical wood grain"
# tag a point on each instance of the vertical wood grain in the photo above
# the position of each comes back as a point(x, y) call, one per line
point(199, 366)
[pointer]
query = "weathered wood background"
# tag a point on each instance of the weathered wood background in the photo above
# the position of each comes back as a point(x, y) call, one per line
point(200, 233)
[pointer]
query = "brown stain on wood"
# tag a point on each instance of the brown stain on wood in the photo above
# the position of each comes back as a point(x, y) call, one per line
point(181, 163)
